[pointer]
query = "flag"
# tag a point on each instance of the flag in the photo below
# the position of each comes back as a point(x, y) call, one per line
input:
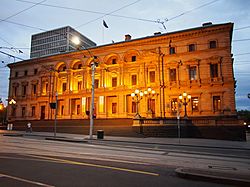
point(105, 24)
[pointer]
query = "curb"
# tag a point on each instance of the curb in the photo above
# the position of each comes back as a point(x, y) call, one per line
point(13, 135)
point(174, 144)
point(214, 176)
point(66, 140)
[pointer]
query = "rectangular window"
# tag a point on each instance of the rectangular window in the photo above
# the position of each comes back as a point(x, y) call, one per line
point(191, 47)
point(152, 76)
point(35, 71)
point(62, 110)
point(64, 86)
point(16, 74)
point(133, 58)
point(23, 111)
point(46, 87)
point(214, 70)
point(195, 104)
point(134, 80)
point(133, 107)
point(192, 73)
point(24, 89)
point(96, 83)
point(216, 103)
point(79, 85)
point(14, 91)
point(174, 105)
point(212, 44)
point(114, 61)
point(151, 105)
point(77, 109)
point(34, 89)
point(114, 108)
point(114, 81)
point(172, 50)
point(25, 72)
point(33, 111)
point(172, 74)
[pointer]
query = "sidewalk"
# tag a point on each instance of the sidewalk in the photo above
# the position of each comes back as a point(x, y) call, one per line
point(239, 176)
point(147, 140)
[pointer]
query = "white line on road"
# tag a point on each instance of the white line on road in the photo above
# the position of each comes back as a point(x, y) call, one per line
point(25, 180)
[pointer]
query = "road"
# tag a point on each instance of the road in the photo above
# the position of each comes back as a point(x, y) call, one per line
point(26, 161)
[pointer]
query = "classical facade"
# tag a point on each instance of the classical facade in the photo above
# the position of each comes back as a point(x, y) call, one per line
point(197, 61)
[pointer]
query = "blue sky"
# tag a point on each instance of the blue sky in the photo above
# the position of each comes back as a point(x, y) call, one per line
point(86, 17)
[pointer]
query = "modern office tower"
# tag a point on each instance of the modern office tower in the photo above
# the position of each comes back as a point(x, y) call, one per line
point(57, 41)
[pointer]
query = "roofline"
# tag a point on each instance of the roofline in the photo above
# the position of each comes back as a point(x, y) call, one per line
point(166, 34)
point(136, 39)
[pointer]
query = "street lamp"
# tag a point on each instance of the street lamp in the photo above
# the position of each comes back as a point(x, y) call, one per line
point(12, 102)
point(2, 110)
point(150, 93)
point(185, 99)
point(1, 105)
point(76, 40)
point(137, 96)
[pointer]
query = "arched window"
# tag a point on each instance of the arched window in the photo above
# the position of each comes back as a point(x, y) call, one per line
point(62, 68)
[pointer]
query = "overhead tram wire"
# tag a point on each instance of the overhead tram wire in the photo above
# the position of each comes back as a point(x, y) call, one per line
point(188, 11)
point(105, 14)
point(125, 6)
point(22, 11)
point(91, 20)
point(13, 56)
point(90, 11)
point(17, 13)
point(121, 16)
point(241, 28)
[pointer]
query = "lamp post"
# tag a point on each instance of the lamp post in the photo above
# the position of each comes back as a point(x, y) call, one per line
point(137, 96)
point(12, 102)
point(185, 99)
point(76, 40)
point(2, 110)
point(150, 93)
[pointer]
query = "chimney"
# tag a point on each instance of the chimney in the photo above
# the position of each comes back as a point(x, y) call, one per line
point(207, 24)
point(157, 33)
point(127, 37)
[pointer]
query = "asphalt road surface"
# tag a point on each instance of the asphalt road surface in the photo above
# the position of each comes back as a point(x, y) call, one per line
point(38, 162)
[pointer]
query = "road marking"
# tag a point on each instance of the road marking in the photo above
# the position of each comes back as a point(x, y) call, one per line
point(25, 180)
point(100, 159)
point(96, 165)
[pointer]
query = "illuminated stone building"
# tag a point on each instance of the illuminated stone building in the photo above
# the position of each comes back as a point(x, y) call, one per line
point(197, 61)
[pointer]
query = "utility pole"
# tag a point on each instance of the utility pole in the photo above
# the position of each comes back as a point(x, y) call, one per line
point(93, 67)
point(55, 115)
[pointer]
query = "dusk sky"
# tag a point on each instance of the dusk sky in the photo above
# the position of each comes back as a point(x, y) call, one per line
point(19, 19)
